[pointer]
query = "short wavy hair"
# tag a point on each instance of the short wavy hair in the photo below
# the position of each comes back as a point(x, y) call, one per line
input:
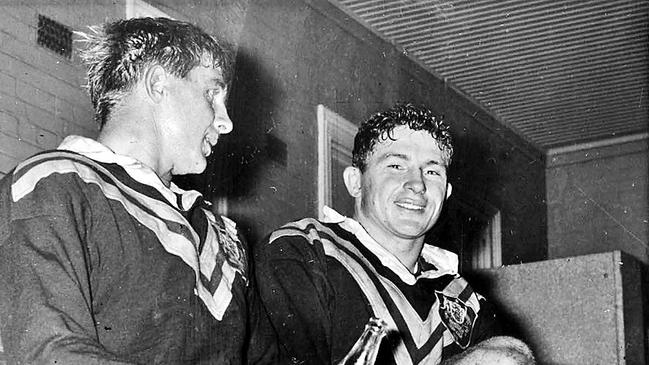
point(118, 53)
point(380, 126)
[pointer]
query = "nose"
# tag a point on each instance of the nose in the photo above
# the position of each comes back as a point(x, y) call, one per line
point(222, 122)
point(415, 182)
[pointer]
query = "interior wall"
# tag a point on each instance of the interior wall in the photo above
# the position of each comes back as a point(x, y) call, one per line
point(598, 200)
point(41, 98)
point(291, 55)
point(41, 95)
point(295, 54)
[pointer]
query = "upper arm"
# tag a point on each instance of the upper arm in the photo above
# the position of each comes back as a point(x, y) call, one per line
point(291, 277)
point(45, 292)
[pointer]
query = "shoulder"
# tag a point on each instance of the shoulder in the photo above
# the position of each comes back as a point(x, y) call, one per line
point(56, 167)
point(300, 240)
point(307, 229)
point(50, 183)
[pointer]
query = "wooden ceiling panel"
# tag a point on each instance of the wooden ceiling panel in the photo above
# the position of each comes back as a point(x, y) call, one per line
point(558, 73)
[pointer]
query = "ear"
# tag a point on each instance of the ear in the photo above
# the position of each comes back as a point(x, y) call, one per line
point(352, 178)
point(449, 189)
point(155, 79)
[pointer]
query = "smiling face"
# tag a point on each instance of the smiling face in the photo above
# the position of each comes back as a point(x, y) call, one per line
point(400, 194)
point(193, 115)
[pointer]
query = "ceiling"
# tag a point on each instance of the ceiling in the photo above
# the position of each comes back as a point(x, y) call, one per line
point(559, 73)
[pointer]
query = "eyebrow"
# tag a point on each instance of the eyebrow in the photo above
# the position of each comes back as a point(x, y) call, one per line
point(402, 156)
point(218, 80)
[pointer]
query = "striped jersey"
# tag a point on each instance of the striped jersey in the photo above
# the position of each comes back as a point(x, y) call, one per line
point(321, 282)
point(100, 260)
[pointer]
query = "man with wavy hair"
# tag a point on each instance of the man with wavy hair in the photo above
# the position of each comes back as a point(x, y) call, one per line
point(320, 281)
point(103, 259)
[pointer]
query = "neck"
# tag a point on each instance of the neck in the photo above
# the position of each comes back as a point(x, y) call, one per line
point(128, 140)
point(406, 250)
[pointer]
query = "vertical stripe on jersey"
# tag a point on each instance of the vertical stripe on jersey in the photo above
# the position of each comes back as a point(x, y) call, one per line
point(421, 340)
point(170, 227)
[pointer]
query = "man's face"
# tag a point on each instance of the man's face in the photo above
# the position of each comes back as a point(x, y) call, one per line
point(194, 115)
point(403, 187)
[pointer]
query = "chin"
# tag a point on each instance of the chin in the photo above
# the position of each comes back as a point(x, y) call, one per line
point(411, 229)
point(195, 168)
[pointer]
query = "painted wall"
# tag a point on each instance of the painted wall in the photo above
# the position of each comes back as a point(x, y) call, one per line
point(41, 100)
point(295, 54)
point(291, 55)
point(598, 200)
point(41, 95)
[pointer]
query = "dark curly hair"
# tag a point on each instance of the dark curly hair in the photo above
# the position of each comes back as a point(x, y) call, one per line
point(381, 125)
point(118, 53)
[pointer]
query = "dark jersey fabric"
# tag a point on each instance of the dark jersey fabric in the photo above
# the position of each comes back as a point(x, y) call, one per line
point(87, 276)
point(311, 276)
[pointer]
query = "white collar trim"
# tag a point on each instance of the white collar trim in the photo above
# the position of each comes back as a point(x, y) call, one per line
point(137, 170)
point(445, 261)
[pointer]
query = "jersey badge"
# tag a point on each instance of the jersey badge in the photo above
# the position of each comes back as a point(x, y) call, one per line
point(458, 318)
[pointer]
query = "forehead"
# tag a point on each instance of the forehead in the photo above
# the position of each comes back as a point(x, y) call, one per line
point(407, 142)
point(205, 74)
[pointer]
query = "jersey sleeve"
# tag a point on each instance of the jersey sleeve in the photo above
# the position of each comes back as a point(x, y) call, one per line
point(261, 347)
point(291, 277)
point(45, 296)
point(487, 324)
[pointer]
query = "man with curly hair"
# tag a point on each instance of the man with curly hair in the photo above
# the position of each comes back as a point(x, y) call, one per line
point(103, 259)
point(320, 281)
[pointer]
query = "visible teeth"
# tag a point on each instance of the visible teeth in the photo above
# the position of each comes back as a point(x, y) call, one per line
point(410, 206)
point(207, 147)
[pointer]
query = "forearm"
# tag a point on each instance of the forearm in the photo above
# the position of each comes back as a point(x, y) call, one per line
point(60, 350)
point(41, 332)
point(45, 298)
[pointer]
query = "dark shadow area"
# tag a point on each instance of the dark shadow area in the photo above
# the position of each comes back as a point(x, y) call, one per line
point(645, 291)
point(644, 270)
point(472, 174)
point(240, 157)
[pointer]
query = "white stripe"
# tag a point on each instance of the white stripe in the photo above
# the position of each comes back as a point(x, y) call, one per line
point(209, 252)
point(423, 329)
point(137, 170)
point(172, 242)
point(28, 181)
point(446, 262)
point(224, 291)
point(420, 330)
point(400, 352)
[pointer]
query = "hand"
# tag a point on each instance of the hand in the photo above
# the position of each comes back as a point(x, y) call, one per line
point(501, 350)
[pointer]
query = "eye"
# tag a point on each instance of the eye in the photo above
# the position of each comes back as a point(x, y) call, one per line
point(432, 173)
point(212, 93)
point(395, 166)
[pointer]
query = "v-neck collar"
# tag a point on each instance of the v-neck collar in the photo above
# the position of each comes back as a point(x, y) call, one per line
point(444, 262)
point(134, 168)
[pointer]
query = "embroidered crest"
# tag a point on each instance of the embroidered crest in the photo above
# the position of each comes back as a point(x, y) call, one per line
point(458, 318)
point(231, 245)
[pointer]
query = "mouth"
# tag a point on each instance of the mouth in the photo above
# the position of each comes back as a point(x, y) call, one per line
point(416, 206)
point(206, 147)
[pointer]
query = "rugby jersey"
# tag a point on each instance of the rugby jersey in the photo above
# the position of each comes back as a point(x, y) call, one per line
point(99, 260)
point(320, 282)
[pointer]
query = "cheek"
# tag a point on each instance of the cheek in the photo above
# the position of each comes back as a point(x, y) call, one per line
point(375, 196)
